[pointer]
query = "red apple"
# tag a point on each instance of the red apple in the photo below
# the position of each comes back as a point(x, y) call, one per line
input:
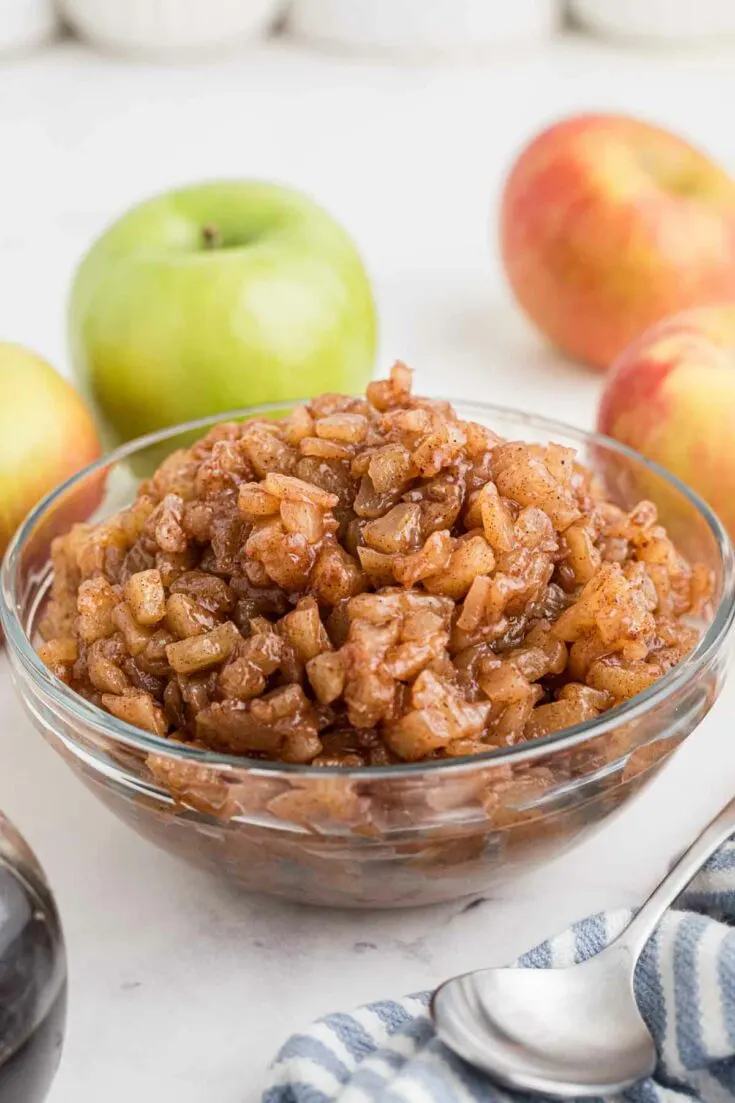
point(671, 395)
point(46, 434)
point(608, 225)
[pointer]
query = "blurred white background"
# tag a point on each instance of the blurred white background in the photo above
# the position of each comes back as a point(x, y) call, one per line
point(411, 158)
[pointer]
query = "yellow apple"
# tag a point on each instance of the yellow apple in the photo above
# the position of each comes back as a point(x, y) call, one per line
point(46, 434)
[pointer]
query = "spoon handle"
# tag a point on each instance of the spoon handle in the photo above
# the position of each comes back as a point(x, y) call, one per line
point(644, 923)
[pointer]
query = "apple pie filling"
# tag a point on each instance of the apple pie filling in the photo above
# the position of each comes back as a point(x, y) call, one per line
point(368, 581)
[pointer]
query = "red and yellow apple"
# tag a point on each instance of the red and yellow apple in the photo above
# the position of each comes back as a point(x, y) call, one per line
point(608, 225)
point(671, 396)
point(46, 434)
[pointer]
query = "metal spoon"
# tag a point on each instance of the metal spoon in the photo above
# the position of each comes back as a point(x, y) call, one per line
point(574, 1031)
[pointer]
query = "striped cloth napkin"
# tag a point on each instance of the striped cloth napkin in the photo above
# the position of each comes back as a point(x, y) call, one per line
point(387, 1052)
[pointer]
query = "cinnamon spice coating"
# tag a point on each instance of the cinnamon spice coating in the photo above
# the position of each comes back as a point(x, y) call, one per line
point(364, 582)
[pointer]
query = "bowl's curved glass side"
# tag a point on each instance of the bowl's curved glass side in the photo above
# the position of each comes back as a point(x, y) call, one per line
point(392, 841)
point(314, 858)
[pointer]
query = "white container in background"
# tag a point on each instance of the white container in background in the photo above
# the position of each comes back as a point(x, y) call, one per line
point(421, 27)
point(25, 24)
point(160, 28)
point(674, 22)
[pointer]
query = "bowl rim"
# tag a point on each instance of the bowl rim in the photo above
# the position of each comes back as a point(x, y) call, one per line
point(122, 732)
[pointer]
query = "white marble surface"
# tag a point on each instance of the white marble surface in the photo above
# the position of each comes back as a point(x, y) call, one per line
point(180, 988)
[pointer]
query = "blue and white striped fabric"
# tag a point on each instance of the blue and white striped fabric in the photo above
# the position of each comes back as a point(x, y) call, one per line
point(387, 1052)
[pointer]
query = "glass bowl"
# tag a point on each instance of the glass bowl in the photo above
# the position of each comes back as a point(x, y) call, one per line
point(32, 974)
point(377, 837)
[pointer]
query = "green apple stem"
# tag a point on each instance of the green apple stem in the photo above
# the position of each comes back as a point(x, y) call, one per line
point(211, 236)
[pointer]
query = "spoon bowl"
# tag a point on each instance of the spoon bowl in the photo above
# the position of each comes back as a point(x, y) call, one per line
point(568, 1032)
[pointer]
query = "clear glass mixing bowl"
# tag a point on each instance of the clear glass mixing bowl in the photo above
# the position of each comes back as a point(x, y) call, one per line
point(381, 837)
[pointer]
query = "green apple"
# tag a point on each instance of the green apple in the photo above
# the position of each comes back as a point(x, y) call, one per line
point(216, 296)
